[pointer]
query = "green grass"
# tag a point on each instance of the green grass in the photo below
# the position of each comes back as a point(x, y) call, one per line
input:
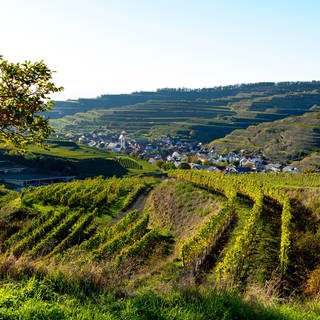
point(69, 158)
point(46, 299)
point(71, 150)
point(7, 196)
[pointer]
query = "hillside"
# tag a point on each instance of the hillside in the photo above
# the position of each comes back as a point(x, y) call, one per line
point(256, 234)
point(239, 91)
point(201, 114)
point(78, 153)
point(310, 162)
point(284, 140)
point(68, 158)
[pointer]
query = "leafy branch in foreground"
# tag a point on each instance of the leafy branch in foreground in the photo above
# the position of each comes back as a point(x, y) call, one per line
point(24, 94)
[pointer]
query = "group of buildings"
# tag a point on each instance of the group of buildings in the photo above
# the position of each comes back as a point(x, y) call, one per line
point(226, 163)
point(176, 151)
point(165, 150)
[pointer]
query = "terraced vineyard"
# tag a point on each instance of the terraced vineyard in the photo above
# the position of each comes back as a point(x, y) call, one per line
point(282, 140)
point(72, 214)
point(202, 114)
point(222, 231)
point(261, 243)
point(129, 163)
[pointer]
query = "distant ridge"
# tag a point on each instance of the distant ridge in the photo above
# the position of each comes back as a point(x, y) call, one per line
point(70, 107)
point(200, 114)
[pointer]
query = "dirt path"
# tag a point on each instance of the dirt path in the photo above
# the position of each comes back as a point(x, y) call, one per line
point(138, 204)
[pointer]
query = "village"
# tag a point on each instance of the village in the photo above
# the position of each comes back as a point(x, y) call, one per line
point(166, 153)
point(172, 152)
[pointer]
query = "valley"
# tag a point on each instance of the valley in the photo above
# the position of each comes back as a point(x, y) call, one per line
point(186, 204)
point(159, 160)
point(275, 120)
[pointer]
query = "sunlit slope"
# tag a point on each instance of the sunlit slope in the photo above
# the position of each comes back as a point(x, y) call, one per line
point(195, 227)
point(226, 94)
point(69, 158)
point(288, 139)
point(203, 118)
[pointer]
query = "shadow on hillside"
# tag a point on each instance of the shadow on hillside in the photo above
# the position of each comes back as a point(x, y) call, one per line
point(95, 167)
point(58, 166)
point(304, 253)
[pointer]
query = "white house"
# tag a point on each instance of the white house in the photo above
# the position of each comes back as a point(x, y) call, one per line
point(290, 169)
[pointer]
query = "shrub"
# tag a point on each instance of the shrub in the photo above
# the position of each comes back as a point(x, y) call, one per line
point(184, 166)
point(313, 283)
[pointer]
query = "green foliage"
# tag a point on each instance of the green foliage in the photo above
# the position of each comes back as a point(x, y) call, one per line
point(56, 231)
point(24, 95)
point(50, 241)
point(168, 166)
point(77, 234)
point(37, 222)
point(141, 247)
point(6, 196)
point(285, 234)
point(73, 241)
point(256, 187)
point(132, 196)
point(122, 239)
point(209, 234)
point(234, 261)
point(129, 163)
point(41, 299)
point(36, 232)
point(108, 233)
point(90, 193)
point(78, 205)
point(184, 166)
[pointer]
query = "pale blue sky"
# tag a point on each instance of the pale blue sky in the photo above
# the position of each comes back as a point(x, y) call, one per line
point(114, 46)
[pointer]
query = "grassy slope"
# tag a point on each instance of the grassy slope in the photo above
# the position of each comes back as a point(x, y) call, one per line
point(288, 139)
point(70, 158)
point(310, 162)
point(34, 299)
point(179, 208)
point(75, 151)
point(71, 150)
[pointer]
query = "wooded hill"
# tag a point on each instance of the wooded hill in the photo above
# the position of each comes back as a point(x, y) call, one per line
point(202, 114)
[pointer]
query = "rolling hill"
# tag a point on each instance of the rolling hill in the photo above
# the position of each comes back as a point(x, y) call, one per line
point(285, 140)
point(201, 114)
point(64, 157)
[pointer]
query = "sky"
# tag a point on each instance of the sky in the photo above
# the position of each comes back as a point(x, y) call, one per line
point(120, 46)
